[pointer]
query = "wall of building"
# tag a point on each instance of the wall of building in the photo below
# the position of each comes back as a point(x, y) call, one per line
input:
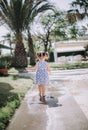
point(69, 51)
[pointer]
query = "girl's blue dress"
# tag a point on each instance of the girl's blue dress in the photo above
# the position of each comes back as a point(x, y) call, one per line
point(42, 77)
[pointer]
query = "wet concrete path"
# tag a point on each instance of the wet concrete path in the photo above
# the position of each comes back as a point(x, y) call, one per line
point(60, 112)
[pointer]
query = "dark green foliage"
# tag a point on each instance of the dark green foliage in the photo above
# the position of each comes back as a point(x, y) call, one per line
point(78, 11)
point(7, 97)
point(7, 111)
point(6, 61)
point(9, 101)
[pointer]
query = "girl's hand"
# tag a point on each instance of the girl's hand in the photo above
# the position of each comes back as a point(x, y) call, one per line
point(26, 68)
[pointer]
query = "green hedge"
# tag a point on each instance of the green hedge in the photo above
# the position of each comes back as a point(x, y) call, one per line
point(70, 65)
point(8, 105)
point(6, 61)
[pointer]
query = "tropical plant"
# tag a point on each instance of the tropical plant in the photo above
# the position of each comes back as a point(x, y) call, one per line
point(13, 14)
point(81, 6)
point(79, 10)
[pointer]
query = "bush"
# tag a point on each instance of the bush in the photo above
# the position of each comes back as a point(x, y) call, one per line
point(4, 115)
point(70, 66)
point(8, 105)
point(2, 126)
point(8, 97)
point(6, 61)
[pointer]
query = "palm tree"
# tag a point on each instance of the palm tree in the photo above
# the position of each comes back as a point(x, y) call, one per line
point(79, 10)
point(18, 16)
point(35, 7)
point(13, 14)
point(81, 5)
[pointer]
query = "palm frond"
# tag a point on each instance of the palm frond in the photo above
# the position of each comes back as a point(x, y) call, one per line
point(13, 13)
point(34, 8)
point(18, 14)
point(39, 8)
point(82, 4)
point(80, 10)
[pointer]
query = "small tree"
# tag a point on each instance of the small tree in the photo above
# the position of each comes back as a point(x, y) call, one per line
point(48, 24)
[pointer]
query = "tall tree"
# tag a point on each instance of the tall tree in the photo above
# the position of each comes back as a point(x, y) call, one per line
point(13, 13)
point(48, 25)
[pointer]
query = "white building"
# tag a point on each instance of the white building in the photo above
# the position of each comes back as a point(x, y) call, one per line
point(69, 51)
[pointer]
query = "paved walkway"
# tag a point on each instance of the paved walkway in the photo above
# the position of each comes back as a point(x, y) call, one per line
point(61, 111)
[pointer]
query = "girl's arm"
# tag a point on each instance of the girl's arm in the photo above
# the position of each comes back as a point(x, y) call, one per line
point(33, 68)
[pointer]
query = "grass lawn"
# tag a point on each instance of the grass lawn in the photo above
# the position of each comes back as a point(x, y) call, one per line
point(12, 91)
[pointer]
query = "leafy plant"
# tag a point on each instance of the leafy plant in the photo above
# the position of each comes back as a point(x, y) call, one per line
point(1, 66)
point(8, 109)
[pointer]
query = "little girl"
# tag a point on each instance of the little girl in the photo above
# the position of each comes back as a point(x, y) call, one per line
point(42, 78)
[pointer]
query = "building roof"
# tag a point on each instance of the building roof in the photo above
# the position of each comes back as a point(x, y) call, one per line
point(5, 47)
point(70, 46)
point(70, 49)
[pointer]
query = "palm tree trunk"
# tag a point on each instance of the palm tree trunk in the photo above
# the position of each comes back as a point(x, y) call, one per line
point(20, 58)
point(31, 49)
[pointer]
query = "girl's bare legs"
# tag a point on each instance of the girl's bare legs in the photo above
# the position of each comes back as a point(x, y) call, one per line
point(42, 92)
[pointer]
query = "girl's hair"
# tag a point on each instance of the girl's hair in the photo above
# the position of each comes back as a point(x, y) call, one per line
point(40, 54)
point(47, 54)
